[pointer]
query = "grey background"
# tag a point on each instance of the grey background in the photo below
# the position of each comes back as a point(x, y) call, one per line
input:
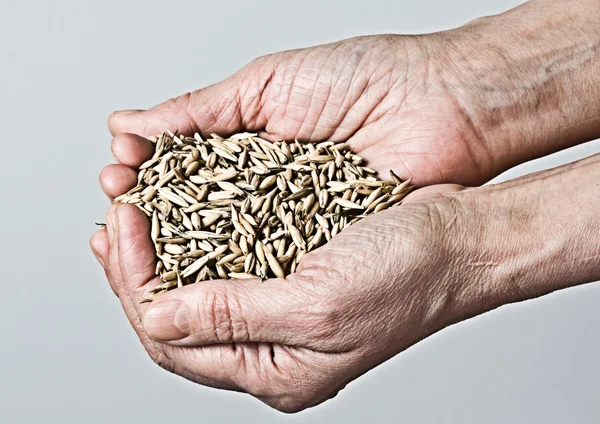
point(67, 352)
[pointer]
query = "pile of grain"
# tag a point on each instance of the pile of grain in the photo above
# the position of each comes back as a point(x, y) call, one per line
point(243, 207)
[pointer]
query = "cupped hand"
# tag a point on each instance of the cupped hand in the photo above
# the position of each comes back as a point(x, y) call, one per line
point(429, 107)
point(385, 95)
point(378, 287)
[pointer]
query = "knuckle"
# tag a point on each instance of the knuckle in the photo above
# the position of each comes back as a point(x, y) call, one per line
point(260, 61)
point(221, 313)
point(299, 396)
point(179, 102)
point(159, 357)
point(297, 384)
point(289, 405)
point(163, 362)
point(290, 398)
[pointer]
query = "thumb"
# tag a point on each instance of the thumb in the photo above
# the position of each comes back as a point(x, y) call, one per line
point(230, 311)
point(229, 106)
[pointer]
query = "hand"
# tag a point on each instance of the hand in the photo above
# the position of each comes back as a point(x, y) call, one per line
point(382, 94)
point(459, 106)
point(375, 289)
point(378, 287)
point(444, 263)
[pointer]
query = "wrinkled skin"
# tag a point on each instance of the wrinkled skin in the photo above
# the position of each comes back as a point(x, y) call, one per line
point(383, 94)
point(454, 107)
point(377, 288)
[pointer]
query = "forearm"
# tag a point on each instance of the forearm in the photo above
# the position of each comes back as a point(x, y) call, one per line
point(531, 236)
point(528, 79)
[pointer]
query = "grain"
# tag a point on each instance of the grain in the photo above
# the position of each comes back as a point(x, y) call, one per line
point(244, 208)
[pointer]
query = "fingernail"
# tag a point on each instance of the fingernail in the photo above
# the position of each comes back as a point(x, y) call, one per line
point(167, 321)
point(99, 258)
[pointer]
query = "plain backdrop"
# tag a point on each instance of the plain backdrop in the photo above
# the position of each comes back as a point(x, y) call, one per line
point(67, 353)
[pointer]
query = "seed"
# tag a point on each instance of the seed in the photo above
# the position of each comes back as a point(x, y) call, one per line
point(172, 197)
point(347, 204)
point(188, 198)
point(376, 202)
point(400, 188)
point(210, 219)
point(336, 186)
point(191, 168)
point(382, 206)
point(155, 227)
point(242, 207)
point(174, 249)
point(260, 254)
point(187, 223)
point(199, 263)
point(371, 198)
point(268, 182)
point(300, 194)
point(196, 221)
point(273, 264)
point(203, 235)
point(249, 262)
point(281, 247)
point(227, 186)
point(165, 179)
point(242, 275)
point(228, 258)
point(322, 221)
point(297, 237)
point(172, 240)
point(308, 203)
point(250, 219)
point(323, 198)
point(171, 275)
point(396, 179)
point(220, 195)
point(316, 241)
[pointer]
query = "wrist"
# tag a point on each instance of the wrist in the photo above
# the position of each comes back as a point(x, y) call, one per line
point(527, 79)
point(530, 237)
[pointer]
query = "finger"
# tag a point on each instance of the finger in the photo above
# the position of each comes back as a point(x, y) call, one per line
point(266, 371)
point(99, 246)
point(232, 311)
point(117, 179)
point(131, 257)
point(220, 108)
point(137, 256)
point(131, 150)
point(215, 366)
point(117, 281)
point(112, 269)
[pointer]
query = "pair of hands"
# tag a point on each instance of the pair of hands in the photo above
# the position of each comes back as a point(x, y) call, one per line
point(404, 103)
